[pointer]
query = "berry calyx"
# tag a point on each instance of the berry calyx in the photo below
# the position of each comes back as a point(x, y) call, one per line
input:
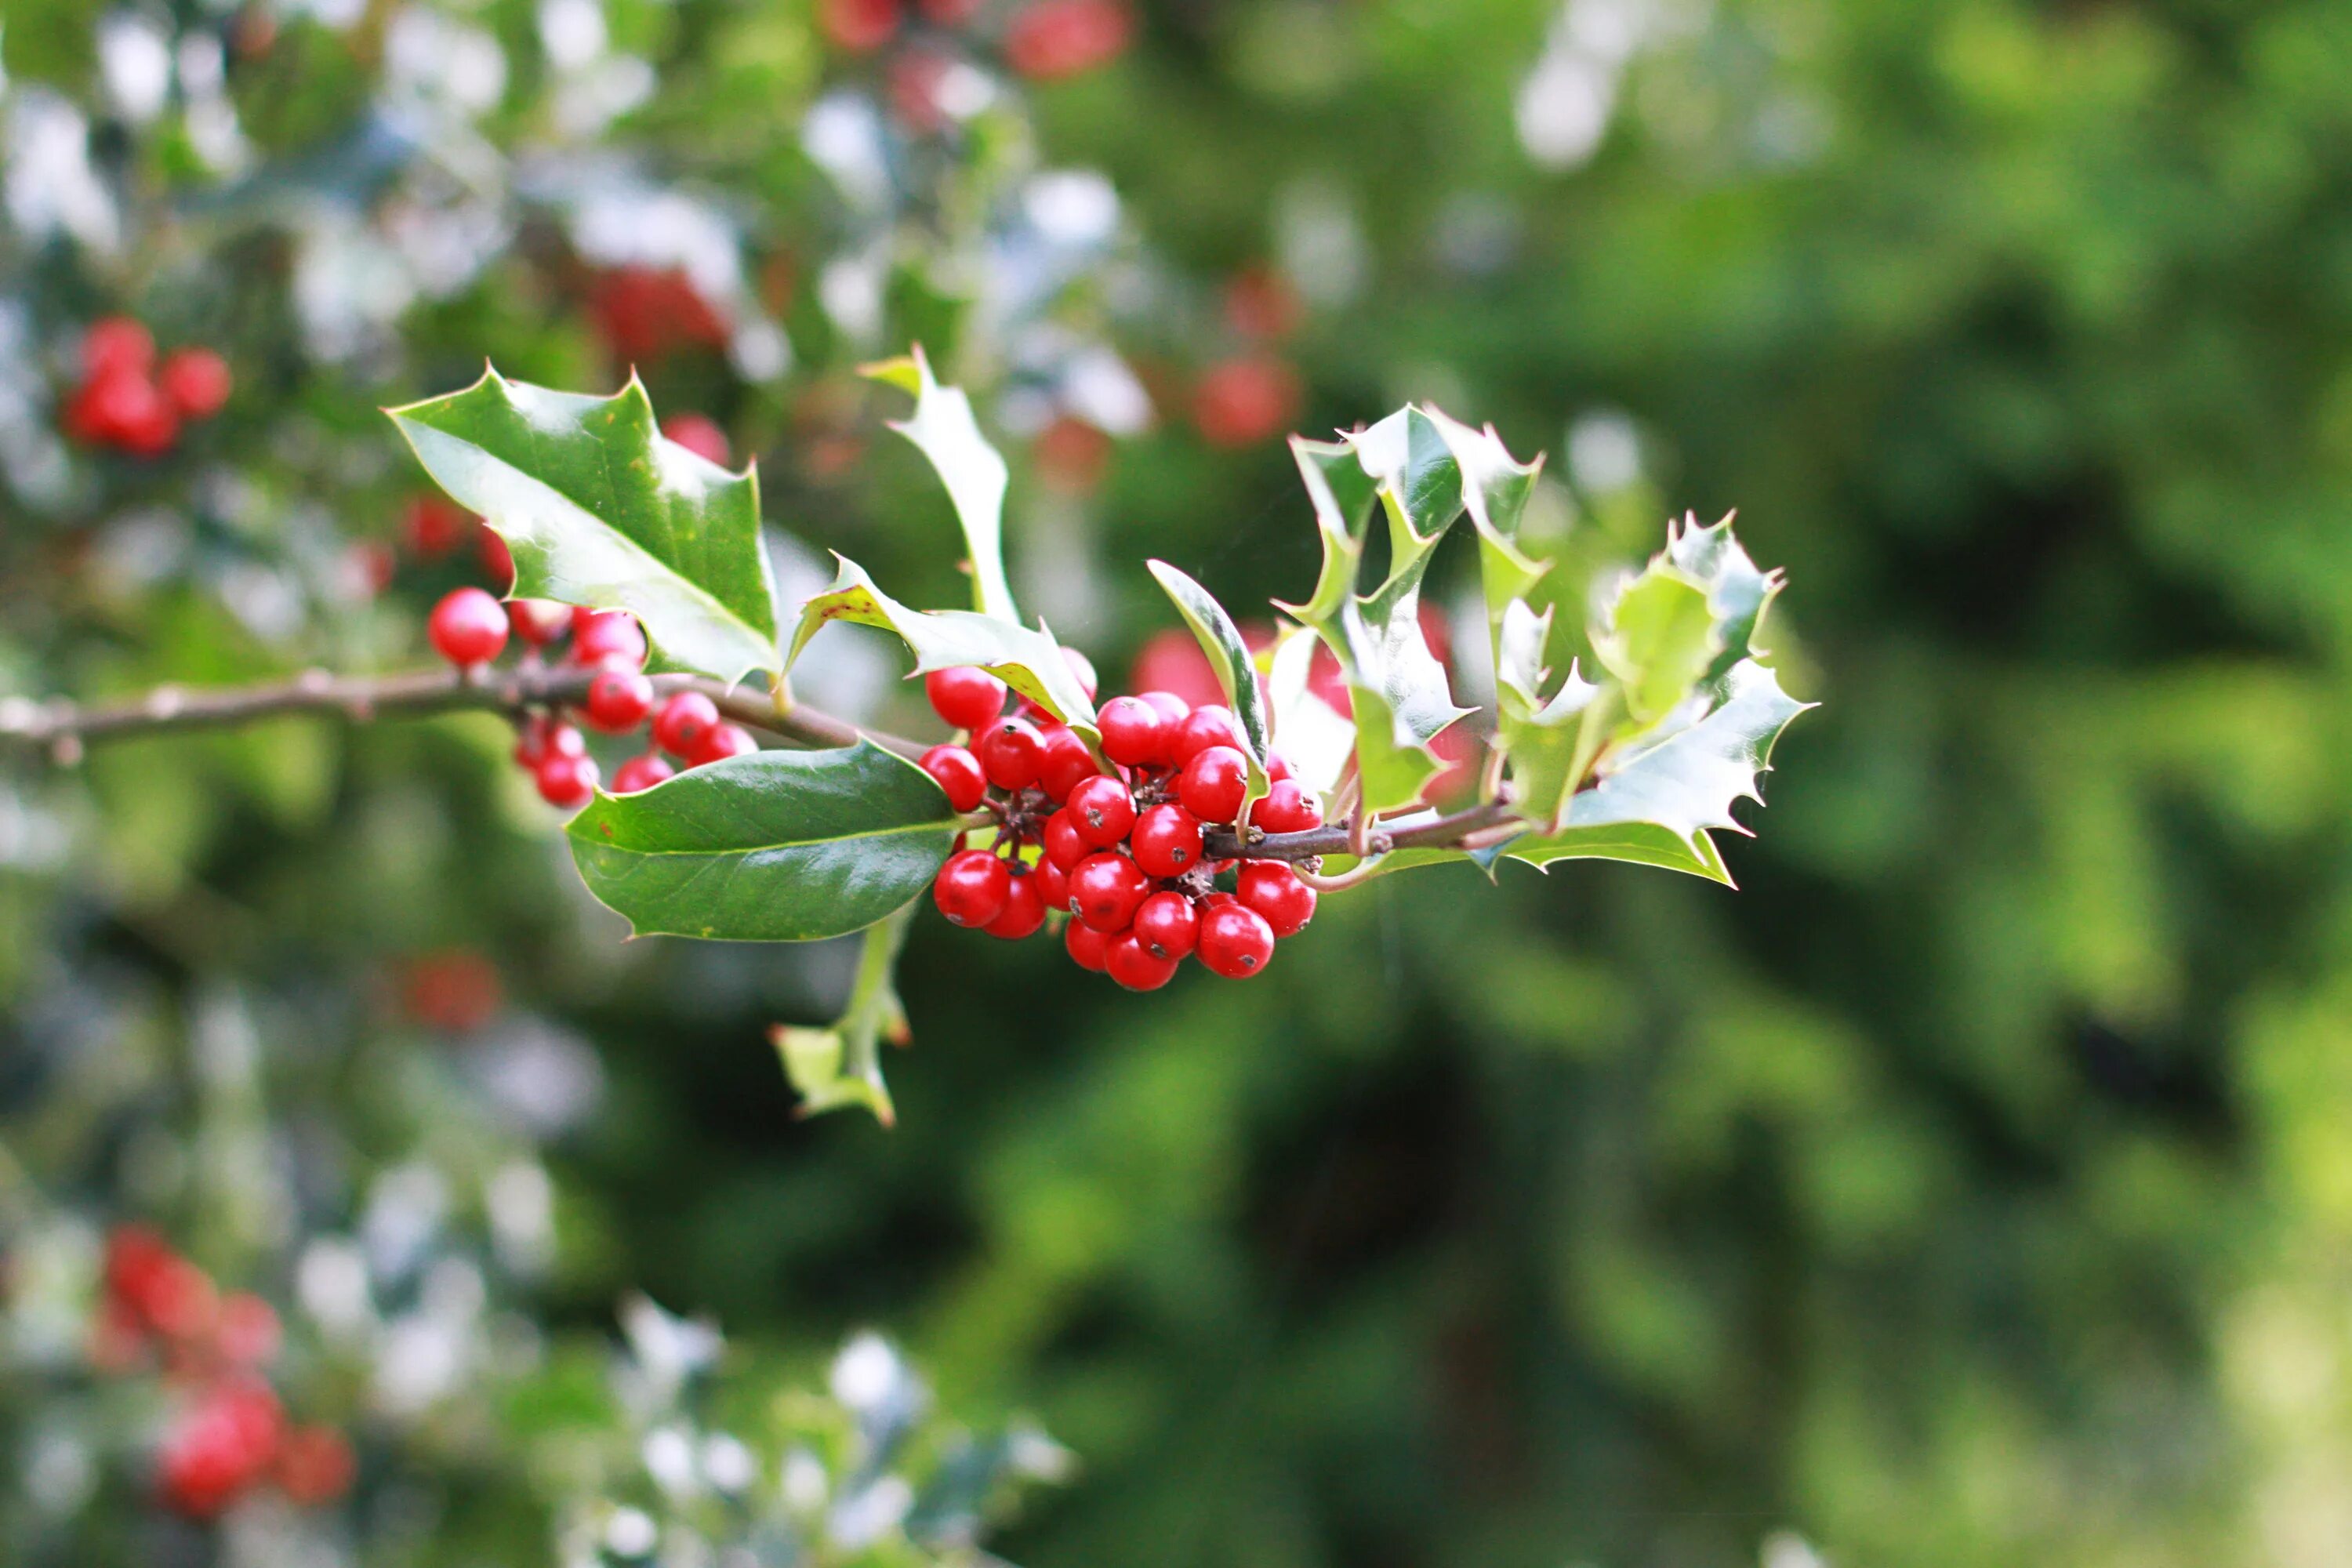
point(1068, 762)
point(468, 627)
point(618, 700)
point(1011, 752)
point(1213, 783)
point(1088, 948)
point(1025, 909)
point(566, 783)
point(1287, 808)
point(600, 635)
point(1100, 812)
point(1166, 841)
point(1136, 966)
point(1106, 889)
point(682, 723)
point(1167, 925)
point(1236, 941)
point(722, 742)
point(1133, 732)
point(641, 772)
point(1274, 891)
point(964, 696)
point(956, 771)
point(972, 889)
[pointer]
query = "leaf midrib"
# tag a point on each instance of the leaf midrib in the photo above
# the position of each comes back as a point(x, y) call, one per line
point(947, 825)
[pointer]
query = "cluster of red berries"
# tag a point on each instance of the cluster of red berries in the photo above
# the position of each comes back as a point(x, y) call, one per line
point(469, 628)
point(129, 402)
point(1043, 40)
point(229, 1434)
point(1120, 849)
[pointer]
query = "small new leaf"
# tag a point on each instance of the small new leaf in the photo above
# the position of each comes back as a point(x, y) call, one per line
point(944, 430)
point(1738, 594)
point(1658, 638)
point(598, 508)
point(770, 847)
point(842, 1064)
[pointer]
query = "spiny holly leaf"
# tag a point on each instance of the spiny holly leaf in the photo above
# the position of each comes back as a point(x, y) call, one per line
point(1315, 738)
point(842, 1064)
point(1738, 594)
point(1341, 491)
point(972, 470)
point(1495, 489)
point(1549, 740)
point(1031, 662)
point(1658, 798)
point(1658, 637)
point(770, 847)
point(1229, 657)
point(600, 508)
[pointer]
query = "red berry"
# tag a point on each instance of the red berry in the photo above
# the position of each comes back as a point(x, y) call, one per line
point(530, 743)
point(859, 26)
point(567, 782)
point(682, 721)
point(435, 525)
point(972, 889)
point(1166, 841)
point(1106, 889)
point(1053, 885)
point(1088, 948)
point(1065, 844)
point(1236, 941)
point(468, 627)
point(1245, 399)
point(1048, 39)
point(538, 621)
point(218, 1448)
point(1167, 924)
point(114, 344)
point(1082, 671)
point(1101, 812)
point(1213, 783)
point(314, 1465)
point(1287, 808)
point(497, 561)
point(1277, 766)
point(195, 382)
point(563, 740)
point(600, 635)
point(248, 1331)
point(1173, 710)
point(1274, 891)
point(701, 435)
point(1025, 909)
point(618, 699)
point(1133, 732)
point(1136, 966)
point(964, 696)
point(956, 771)
point(1067, 763)
point(641, 772)
point(1011, 752)
point(123, 408)
point(1213, 725)
point(722, 741)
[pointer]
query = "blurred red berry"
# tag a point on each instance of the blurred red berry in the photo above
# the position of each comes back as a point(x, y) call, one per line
point(433, 525)
point(195, 382)
point(1049, 39)
point(949, 12)
point(1246, 400)
point(681, 722)
point(219, 1447)
point(858, 26)
point(248, 1331)
point(454, 990)
point(567, 782)
point(701, 435)
point(115, 344)
point(618, 699)
point(720, 742)
point(1071, 455)
point(538, 621)
point(314, 1465)
point(497, 561)
point(641, 772)
point(1261, 303)
point(468, 627)
point(642, 312)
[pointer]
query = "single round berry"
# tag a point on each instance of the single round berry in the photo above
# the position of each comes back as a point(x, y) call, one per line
point(682, 721)
point(1082, 671)
point(1136, 966)
point(1172, 710)
point(1088, 948)
point(538, 621)
point(699, 435)
point(1236, 941)
point(565, 741)
point(641, 772)
point(530, 743)
point(1213, 725)
point(618, 699)
point(1287, 808)
point(956, 771)
point(720, 742)
point(600, 635)
point(966, 698)
point(1067, 763)
point(1010, 751)
point(1053, 885)
point(195, 382)
point(1025, 909)
point(1277, 766)
point(973, 887)
point(468, 627)
point(1213, 783)
point(567, 781)
point(1167, 925)
point(1274, 891)
point(1106, 889)
point(1065, 844)
point(1101, 812)
point(114, 344)
point(1133, 733)
point(1166, 841)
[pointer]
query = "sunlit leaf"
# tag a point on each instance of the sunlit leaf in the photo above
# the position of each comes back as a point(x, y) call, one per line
point(973, 471)
point(1229, 658)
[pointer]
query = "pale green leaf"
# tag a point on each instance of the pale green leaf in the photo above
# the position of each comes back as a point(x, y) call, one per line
point(1658, 637)
point(944, 430)
point(1229, 658)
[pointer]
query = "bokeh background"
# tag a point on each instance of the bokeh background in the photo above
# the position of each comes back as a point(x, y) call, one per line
point(1973, 1187)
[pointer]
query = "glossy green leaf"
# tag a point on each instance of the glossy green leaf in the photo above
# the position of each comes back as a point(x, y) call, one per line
point(944, 430)
point(771, 847)
point(1229, 657)
point(598, 508)
point(1658, 637)
point(1030, 661)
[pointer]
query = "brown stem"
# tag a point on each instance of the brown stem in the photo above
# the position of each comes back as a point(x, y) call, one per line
point(64, 728)
point(1442, 833)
